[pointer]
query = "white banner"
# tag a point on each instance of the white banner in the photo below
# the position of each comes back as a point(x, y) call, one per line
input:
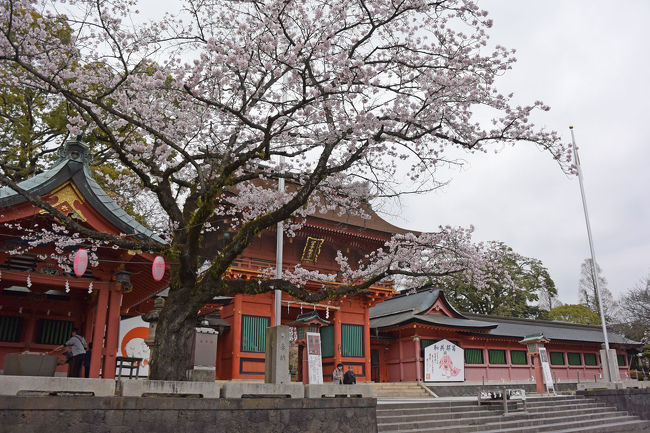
point(314, 358)
point(133, 331)
point(444, 362)
point(546, 369)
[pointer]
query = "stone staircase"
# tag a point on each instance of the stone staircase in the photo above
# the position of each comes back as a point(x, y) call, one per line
point(562, 414)
point(399, 390)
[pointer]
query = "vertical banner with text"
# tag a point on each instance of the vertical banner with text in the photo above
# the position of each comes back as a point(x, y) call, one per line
point(546, 369)
point(314, 358)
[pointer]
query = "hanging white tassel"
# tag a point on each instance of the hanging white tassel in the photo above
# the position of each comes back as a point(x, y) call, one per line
point(327, 312)
point(29, 281)
point(67, 286)
point(90, 287)
point(300, 308)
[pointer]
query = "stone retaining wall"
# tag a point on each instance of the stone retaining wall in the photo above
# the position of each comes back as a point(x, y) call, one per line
point(195, 415)
point(634, 401)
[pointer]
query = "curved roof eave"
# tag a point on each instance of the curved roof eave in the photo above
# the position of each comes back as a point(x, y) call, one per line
point(72, 165)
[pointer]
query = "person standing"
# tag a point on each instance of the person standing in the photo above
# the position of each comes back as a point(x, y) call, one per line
point(337, 374)
point(349, 378)
point(77, 347)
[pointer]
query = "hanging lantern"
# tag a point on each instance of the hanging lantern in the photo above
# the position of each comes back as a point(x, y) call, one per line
point(158, 268)
point(80, 262)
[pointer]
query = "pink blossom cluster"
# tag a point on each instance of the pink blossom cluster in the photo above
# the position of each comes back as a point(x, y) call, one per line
point(204, 111)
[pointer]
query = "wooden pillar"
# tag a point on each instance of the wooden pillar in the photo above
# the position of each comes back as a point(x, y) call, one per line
point(98, 333)
point(401, 359)
point(539, 377)
point(29, 332)
point(366, 341)
point(236, 336)
point(337, 337)
point(88, 329)
point(418, 367)
point(112, 332)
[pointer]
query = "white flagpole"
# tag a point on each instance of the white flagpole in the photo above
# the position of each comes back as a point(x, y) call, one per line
point(279, 241)
point(593, 254)
point(279, 246)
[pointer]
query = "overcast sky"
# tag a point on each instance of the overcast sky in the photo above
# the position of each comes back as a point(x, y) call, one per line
point(590, 61)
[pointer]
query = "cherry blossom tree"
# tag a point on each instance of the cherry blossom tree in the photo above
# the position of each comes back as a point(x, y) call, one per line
point(347, 100)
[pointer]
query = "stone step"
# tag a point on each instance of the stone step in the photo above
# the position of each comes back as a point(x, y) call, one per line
point(475, 417)
point(635, 426)
point(518, 419)
point(628, 424)
point(446, 407)
point(532, 401)
point(430, 409)
point(527, 426)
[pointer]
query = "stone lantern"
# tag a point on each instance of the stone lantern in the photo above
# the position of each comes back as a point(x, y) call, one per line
point(304, 323)
point(533, 344)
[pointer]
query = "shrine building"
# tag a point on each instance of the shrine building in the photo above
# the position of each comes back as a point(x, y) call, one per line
point(380, 333)
point(40, 301)
point(403, 326)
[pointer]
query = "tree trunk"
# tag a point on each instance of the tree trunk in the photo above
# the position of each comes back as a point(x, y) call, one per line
point(172, 351)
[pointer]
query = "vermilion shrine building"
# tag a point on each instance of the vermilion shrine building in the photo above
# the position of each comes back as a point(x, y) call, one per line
point(403, 326)
point(40, 301)
point(381, 334)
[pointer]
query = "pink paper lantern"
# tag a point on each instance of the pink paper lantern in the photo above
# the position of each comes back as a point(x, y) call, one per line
point(158, 268)
point(80, 262)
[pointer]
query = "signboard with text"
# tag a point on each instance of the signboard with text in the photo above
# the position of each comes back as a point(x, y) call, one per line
point(546, 369)
point(314, 358)
point(444, 362)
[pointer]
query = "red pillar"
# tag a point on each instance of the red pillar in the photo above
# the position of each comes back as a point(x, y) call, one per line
point(236, 335)
point(98, 333)
point(366, 341)
point(539, 377)
point(400, 343)
point(112, 331)
point(337, 337)
point(88, 328)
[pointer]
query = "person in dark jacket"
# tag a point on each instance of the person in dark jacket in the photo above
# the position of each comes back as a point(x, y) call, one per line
point(349, 378)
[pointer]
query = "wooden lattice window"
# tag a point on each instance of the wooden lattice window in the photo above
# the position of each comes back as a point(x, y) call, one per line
point(54, 331)
point(352, 341)
point(327, 341)
point(557, 358)
point(253, 333)
point(573, 358)
point(474, 356)
point(497, 356)
point(518, 357)
point(10, 329)
point(590, 359)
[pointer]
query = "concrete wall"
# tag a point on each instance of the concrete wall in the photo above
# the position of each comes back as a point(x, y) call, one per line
point(163, 415)
point(634, 401)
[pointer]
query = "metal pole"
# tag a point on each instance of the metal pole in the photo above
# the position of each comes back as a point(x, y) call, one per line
point(279, 245)
point(279, 242)
point(593, 254)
